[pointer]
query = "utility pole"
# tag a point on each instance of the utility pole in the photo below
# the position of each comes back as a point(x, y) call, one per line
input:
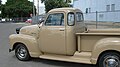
point(38, 7)
point(96, 19)
point(33, 16)
point(33, 8)
point(37, 11)
point(0, 7)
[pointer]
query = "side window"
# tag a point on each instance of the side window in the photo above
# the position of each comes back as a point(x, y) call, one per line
point(71, 19)
point(79, 17)
point(55, 20)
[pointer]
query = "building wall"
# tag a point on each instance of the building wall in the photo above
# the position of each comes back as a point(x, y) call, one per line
point(101, 7)
point(41, 10)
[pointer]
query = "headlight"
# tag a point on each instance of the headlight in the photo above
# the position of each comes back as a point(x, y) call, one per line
point(18, 30)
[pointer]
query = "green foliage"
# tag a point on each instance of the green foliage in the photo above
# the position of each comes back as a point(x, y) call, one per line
point(68, 1)
point(17, 8)
point(51, 4)
point(3, 11)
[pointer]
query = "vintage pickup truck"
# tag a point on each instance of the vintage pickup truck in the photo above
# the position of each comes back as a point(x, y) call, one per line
point(63, 36)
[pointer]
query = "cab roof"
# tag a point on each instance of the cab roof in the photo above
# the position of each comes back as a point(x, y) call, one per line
point(65, 9)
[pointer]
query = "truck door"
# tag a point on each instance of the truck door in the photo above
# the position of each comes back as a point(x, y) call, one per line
point(52, 34)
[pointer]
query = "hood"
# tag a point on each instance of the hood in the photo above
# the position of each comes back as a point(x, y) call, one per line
point(32, 30)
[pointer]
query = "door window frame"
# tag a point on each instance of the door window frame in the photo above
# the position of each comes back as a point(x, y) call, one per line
point(60, 21)
point(68, 19)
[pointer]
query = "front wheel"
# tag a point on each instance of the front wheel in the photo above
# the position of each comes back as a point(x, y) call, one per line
point(110, 59)
point(22, 53)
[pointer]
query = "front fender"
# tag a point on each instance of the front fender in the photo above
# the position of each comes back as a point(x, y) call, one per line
point(29, 41)
point(104, 45)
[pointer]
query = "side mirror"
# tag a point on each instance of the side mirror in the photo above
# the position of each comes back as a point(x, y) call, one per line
point(41, 21)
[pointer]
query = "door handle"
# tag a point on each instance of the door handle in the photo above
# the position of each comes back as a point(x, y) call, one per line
point(33, 33)
point(62, 29)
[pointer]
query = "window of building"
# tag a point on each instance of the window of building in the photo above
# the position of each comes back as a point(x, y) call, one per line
point(71, 19)
point(86, 10)
point(107, 7)
point(112, 7)
point(89, 10)
point(55, 20)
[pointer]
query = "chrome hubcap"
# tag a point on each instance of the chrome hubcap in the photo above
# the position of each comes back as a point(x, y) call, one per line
point(111, 61)
point(22, 52)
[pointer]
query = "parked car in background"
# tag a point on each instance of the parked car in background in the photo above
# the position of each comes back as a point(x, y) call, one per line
point(38, 19)
point(33, 21)
point(3, 20)
point(28, 21)
point(6, 20)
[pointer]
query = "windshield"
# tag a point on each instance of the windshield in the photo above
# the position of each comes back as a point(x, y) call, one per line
point(38, 19)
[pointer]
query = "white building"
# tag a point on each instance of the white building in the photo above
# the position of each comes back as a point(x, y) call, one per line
point(41, 10)
point(108, 10)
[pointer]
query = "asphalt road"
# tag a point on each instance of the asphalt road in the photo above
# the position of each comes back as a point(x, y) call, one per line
point(9, 60)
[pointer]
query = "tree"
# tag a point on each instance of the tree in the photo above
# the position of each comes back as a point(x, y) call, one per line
point(17, 8)
point(51, 4)
point(2, 11)
point(68, 1)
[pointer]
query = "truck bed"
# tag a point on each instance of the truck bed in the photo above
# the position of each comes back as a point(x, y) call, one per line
point(91, 37)
point(100, 32)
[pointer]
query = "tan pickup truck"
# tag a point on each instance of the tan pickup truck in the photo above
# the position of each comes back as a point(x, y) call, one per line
point(63, 36)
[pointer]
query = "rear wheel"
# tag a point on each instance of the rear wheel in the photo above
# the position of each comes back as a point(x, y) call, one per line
point(110, 59)
point(22, 53)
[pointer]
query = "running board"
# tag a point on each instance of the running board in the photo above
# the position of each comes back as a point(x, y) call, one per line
point(75, 59)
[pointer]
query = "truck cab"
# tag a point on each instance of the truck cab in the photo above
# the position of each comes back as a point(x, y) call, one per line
point(58, 31)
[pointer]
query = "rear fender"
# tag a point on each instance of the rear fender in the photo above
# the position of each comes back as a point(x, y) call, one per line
point(105, 45)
